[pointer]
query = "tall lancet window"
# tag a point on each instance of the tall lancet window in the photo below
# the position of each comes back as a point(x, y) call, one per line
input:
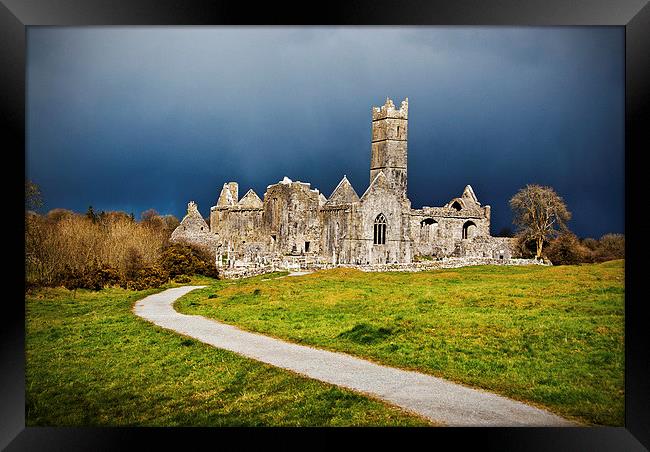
point(380, 230)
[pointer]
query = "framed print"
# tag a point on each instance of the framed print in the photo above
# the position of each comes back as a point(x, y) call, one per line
point(373, 214)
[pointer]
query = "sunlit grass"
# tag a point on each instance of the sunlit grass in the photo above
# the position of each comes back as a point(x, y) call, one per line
point(552, 336)
point(91, 362)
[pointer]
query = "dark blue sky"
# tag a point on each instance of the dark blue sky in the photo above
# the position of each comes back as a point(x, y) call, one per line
point(131, 118)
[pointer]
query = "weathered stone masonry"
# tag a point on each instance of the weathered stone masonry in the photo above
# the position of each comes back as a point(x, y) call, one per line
point(296, 226)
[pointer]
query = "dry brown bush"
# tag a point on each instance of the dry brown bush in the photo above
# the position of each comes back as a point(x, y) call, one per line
point(566, 249)
point(610, 246)
point(66, 241)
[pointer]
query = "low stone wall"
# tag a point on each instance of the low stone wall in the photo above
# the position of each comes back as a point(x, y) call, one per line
point(244, 272)
point(285, 263)
point(447, 262)
point(489, 247)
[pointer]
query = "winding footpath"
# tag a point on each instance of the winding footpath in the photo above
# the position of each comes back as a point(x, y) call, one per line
point(434, 398)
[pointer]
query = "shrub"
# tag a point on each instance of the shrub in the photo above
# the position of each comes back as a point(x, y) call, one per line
point(107, 274)
point(590, 243)
point(146, 278)
point(181, 259)
point(610, 247)
point(99, 276)
point(95, 277)
point(566, 249)
point(133, 263)
point(63, 245)
point(71, 278)
point(524, 248)
point(182, 279)
point(178, 260)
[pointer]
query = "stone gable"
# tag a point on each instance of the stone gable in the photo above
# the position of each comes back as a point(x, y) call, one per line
point(343, 194)
point(193, 229)
point(251, 199)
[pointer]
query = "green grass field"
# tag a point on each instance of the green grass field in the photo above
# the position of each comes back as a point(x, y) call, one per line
point(551, 336)
point(91, 362)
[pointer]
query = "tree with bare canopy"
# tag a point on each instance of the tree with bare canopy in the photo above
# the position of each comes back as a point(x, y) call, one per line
point(33, 196)
point(539, 214)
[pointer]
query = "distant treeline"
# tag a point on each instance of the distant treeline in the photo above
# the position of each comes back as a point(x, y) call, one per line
point(568, 249)
point(93, 250)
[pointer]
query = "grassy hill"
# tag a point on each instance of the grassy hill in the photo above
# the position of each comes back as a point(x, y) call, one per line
point(551, 336)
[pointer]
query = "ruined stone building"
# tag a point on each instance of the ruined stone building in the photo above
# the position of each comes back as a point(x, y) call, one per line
point(378, 227)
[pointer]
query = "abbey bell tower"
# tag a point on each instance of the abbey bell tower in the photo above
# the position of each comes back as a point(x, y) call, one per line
point(389, 132)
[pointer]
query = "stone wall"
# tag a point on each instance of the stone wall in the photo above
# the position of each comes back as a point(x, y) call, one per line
point(381, 199)
point(449, 262)
point(337, 222)
point(440, 235)
point(244, 272)
point(291, 215)
point(443, 263)
point(492, 247)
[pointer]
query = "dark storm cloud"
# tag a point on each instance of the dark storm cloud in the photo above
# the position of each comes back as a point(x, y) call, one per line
point(133, 118)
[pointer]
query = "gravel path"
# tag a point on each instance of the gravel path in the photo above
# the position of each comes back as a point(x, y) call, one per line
point(434, 398)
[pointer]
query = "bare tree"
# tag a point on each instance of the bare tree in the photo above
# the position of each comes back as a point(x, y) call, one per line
point(33, 196)
point(170, 222)
point(539, 214)
point(149, 215)
point(152, 219)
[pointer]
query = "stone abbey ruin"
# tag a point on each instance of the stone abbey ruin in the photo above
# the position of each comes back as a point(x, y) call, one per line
point(297, 227)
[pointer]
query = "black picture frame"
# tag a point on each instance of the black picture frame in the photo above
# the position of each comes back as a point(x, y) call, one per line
point(634, 15)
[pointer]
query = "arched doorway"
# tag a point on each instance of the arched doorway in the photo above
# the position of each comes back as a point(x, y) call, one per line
point(469, 230)
point(428, 227)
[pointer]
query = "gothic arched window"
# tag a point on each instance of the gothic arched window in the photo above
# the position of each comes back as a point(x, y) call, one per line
point(380, 230)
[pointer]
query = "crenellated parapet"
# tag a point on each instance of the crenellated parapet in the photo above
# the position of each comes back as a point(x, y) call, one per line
point(388, 110)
